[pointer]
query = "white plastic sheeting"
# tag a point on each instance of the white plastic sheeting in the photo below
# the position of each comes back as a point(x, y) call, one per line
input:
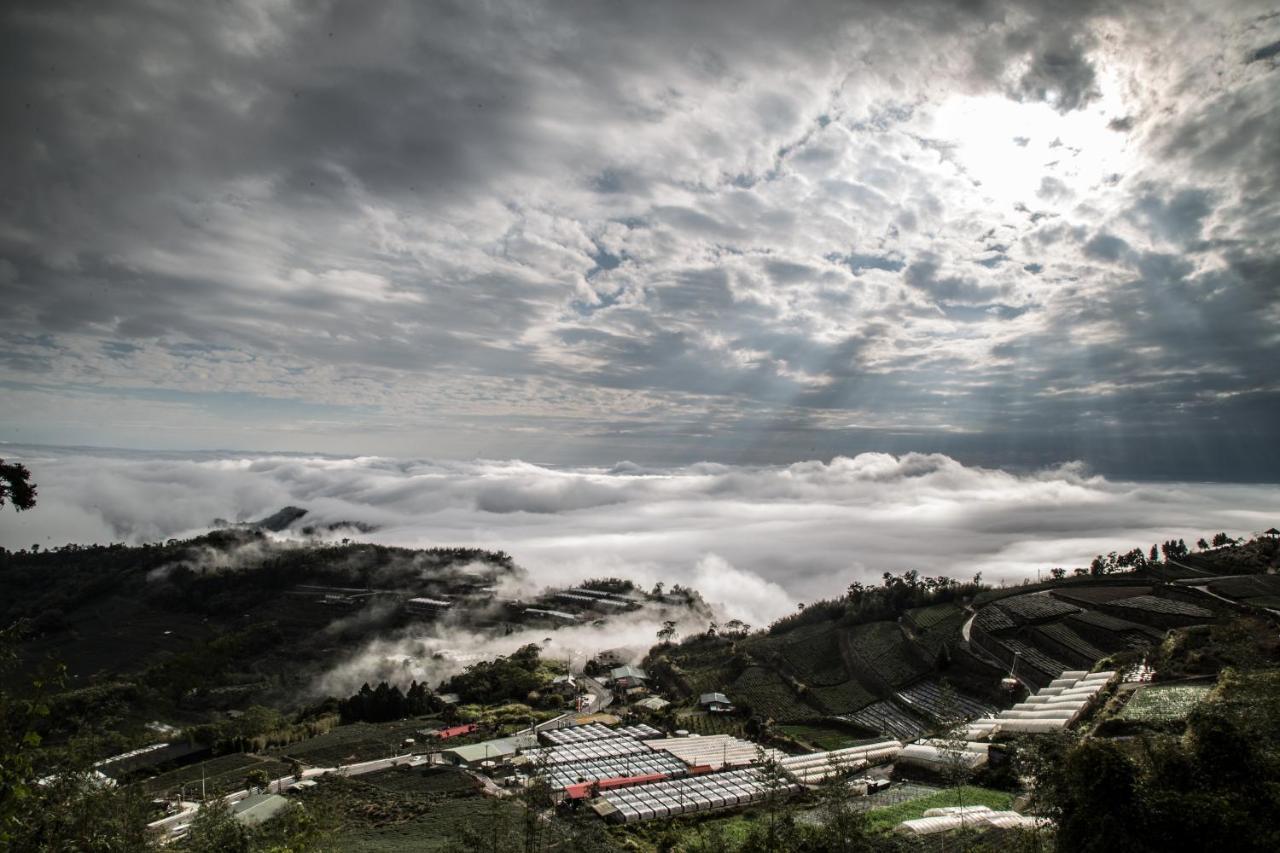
point(955, 817)
point(1052, 708)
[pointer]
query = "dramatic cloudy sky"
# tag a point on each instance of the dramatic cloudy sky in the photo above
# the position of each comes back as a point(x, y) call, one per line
point(1019, 233)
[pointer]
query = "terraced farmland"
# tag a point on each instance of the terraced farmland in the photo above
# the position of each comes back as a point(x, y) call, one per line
point(992, 619)
point(1058, 639)
point(886, 718)
point(1110, 633)
point(1150, 604)
point(1163, 703)
point(1247, 587)
point(842, 698)
point(1088, 595)
point(934, 701)
point(881, 649)
point(1029, 655)
point(1035, 608)
point(816, 659)
point(925, 618)
point(767, 694)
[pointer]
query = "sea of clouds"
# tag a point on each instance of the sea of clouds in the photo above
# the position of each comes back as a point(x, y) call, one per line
point(756, 541)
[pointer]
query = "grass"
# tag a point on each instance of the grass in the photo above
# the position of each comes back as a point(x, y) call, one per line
point(1163, 703)
point(887, 817)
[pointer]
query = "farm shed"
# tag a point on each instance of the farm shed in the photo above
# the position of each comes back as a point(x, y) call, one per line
point(653, 703)
point(628, 677)
point(472, 755)
point(715, 702)
point(258, 808)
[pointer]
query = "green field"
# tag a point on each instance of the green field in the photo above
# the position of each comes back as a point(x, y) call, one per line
point(221, 775)
point(438, 827)
point(357, 742)
point(767, 694)
point(888, 817)
point(1163, 703)
point(712, 724)
point(823, 737)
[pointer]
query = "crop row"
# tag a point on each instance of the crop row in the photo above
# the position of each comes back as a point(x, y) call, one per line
point(768, 695)
point(816, 659)
point(1167, 606)
point(934, 700)
point(881, 648)
point(886, 718)
point(1035, 608)
point(1163, 703)
point(842, 698)
point(1059, 635)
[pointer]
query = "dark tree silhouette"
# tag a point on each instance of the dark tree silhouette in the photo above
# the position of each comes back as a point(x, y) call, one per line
point(16, 485)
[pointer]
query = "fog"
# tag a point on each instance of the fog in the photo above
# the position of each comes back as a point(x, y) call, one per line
point(756, 541)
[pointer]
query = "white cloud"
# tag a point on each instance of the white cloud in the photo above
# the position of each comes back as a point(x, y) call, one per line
point(754, 540)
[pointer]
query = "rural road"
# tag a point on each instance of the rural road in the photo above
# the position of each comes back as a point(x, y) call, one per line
point(178, 822)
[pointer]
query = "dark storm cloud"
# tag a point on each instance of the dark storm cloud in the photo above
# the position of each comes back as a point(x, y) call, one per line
point(723, 221)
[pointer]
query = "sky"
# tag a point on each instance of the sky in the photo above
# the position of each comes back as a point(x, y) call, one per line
point(1019, 234)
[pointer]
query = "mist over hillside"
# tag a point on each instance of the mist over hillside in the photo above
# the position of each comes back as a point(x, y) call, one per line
point(755, 540)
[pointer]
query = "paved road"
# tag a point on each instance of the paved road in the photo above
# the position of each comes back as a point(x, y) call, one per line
point(601, 696)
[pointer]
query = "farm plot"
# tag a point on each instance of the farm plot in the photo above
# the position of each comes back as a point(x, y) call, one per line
point(1087, 595)
point(1059, 640)
point(816, 660)
point(422, 780)
point(375, 820)
point(992, 619)
point(1035, 608)
point(881, 649)
point(886, 718)
point(767, 694)
point(1247, 587)
point(712, 724)
point(1164, 605)
point(220, 775)
point(933, 700)
point(357, 742)
point(842, 698)
point(925, 618)
point(1111, 633)
point(1036, 659)
point(825, 737)
point(1163, 703)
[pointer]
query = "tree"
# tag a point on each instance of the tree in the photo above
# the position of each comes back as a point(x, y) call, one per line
point(216, 830)
point(257, 779)
point(667, 632)
point(16, 486)
point(1058, 573)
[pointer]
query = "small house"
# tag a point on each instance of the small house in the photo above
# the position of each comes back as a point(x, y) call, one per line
point(715, 703)
point(628, 677)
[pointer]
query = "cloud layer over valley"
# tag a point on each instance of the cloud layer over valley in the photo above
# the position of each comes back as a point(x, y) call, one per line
point(754, 540)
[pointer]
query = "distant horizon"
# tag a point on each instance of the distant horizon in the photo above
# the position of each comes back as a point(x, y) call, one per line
point(756, 539)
